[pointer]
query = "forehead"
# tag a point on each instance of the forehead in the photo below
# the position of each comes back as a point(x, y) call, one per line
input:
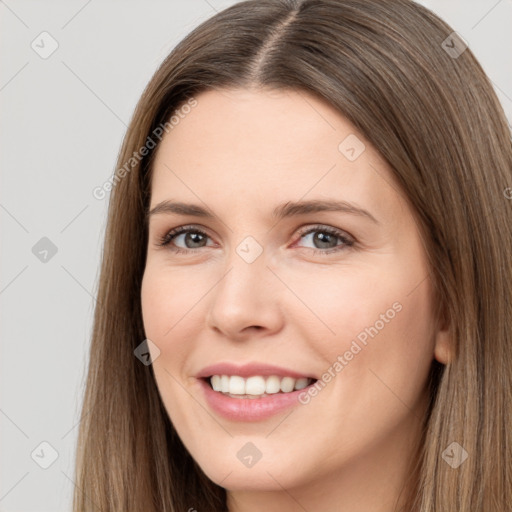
point(253, 148)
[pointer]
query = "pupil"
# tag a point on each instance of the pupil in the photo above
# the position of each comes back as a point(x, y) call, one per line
point(321, 238)
point(195, 236)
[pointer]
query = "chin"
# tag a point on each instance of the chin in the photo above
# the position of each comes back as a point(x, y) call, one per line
point(233, 475)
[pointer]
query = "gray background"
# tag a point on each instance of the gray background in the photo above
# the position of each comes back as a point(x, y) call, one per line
point(63, 119)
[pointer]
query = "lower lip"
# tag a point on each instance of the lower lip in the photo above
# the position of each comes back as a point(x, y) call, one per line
point(250, 409)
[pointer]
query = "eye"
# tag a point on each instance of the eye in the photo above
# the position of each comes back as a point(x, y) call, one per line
point(327, 238)
point(188, 234)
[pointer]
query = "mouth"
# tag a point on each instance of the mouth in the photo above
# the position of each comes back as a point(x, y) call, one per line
point(257, 405)
point(254, 387)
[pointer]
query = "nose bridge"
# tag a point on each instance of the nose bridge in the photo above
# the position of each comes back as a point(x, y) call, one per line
point(245, 296)
point(247, 270)
point(250, 250)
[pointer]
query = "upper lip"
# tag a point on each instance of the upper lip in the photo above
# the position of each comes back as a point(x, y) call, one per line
point(249, 370)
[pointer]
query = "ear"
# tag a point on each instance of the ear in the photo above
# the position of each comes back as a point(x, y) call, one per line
point(443, 348)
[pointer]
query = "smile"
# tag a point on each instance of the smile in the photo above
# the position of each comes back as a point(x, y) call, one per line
point(256, 386)
point(252, 402)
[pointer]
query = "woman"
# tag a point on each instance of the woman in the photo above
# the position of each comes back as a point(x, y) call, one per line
point(339, 337)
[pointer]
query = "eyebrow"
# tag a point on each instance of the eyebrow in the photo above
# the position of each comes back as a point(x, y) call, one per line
point(288, 209)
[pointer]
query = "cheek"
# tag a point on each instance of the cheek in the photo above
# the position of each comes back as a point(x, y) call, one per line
point(378, 318)
point(165, 303)
point(154, 305)
point(340, 302)
point(166, 298)
point(407, 350)
point(377, 359)
point(386, 339)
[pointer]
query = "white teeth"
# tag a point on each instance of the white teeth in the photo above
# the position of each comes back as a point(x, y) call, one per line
point(287, 384)
point(216, 383)
point(224, 384)
point(254, 386)
point(237, 385)
point(273, 385)
point(301, 383)
point(257, 386)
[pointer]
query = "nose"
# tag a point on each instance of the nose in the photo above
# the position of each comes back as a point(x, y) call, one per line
point(247, 301)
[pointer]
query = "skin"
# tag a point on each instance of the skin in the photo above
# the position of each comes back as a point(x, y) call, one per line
point(240, 153)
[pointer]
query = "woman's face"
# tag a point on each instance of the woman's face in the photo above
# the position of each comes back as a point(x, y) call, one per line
point(330, 293)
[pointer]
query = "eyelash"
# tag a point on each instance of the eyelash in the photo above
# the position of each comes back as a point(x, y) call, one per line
point(170, 235)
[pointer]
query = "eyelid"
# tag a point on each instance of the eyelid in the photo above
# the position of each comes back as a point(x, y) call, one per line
point(326, 228)
point(347, 239)
point(183, 229)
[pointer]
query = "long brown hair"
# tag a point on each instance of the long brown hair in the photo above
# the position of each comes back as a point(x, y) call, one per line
point(391, 69)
